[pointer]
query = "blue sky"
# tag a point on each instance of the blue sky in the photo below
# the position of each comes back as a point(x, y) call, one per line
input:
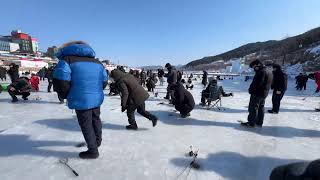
point(152, 32)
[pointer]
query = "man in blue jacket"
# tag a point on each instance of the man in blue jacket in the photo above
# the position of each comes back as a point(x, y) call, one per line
point(80, 79)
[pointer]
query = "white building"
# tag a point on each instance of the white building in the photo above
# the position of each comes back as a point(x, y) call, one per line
point(14, 47)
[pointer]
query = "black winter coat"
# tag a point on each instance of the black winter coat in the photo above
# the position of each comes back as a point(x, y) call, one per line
point(280, 81)
point(49, 74)
point(172, 76)
point(3, 72)
point(21, 84)
point(261, 83)
point(205, 78)
point(132, 93)
point(160, 73)
point(14, 72)
point(182, 97)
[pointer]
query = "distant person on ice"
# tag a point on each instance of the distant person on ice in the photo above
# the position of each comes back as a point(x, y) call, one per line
point(3, 73)
point(205, 78)
point(189, 84)
point(183, 100)
point(150, 83)
point(258, 90)
point(160, 76)
point(49, 76)
point(13, 72)
point(172, 78)
point(35, 81)
point(20, 86)
point(133, 97)
point(279, 86)
point(317, 80)
point(80, 79)
point(213, 91)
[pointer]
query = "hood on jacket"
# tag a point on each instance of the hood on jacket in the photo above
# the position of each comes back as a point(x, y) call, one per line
point(277, 68)
point(79, 49)
point(117, 74)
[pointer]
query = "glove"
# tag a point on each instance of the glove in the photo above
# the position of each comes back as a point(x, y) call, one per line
point(278, 92)
point(317, 90)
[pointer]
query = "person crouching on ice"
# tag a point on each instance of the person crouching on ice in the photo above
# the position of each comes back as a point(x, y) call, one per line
point(20, 86)
point(183, 100)
point(133, 97)
point(80, 78)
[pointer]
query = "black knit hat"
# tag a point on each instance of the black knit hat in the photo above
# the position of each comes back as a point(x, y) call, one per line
point(256, 62)
point(167, 65)
point(276, 66)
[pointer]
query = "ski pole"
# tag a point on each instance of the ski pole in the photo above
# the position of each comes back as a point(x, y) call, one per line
point(65, 162)
point(309, 96)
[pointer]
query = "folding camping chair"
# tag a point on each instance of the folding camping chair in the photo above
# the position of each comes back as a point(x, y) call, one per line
point(214, 103)
point(214, 99)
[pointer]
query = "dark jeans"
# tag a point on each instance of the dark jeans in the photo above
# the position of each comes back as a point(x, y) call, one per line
point(14, 94)
point(141, 110)
point(91, 127)
point(304, 86)
point(276, 99)
point(204, 95)
point(150, 89)
point(60, 98)
point(256, 110)
point(143, 82)
point(50, 85)
point(170, 93)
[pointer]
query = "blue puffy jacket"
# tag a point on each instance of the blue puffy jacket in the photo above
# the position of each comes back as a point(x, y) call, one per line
point(79, 77)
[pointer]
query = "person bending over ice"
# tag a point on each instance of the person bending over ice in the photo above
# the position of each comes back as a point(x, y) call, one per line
point(183, 100)
point(213, 91)
point(133, 96)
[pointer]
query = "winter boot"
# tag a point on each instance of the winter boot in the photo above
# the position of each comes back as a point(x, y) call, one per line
point(272, 112)
point(185, 115)
point(132, 127)
point(15, 100)
point(154, 120)
point(167, 97)
point(247, 124)
point(89, 154)
point(25, 98)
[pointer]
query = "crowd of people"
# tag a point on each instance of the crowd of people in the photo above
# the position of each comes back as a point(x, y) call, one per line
point(70, 79)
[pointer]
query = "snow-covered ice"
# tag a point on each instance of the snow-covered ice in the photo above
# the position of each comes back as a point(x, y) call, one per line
point(34, 135)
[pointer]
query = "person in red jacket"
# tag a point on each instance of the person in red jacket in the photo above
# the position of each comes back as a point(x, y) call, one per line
point(317, 80)
point(34, 81)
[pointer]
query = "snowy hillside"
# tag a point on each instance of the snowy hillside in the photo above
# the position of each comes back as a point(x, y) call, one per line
point(34, 135)
point(314, 50)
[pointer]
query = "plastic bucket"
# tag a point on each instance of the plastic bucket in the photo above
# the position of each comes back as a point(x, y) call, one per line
point(4, 86)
